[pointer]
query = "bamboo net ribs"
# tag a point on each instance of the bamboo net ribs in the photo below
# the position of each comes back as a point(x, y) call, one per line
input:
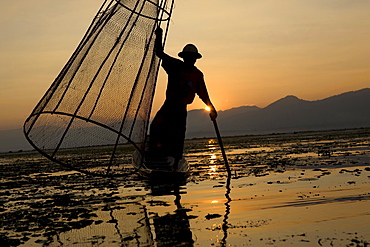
point(100, 102)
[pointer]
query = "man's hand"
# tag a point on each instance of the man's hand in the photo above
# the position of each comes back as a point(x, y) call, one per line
point(159, 31)
point(158, 47)
point(213, 114)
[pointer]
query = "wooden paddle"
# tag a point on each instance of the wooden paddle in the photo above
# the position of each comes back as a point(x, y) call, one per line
point(222, 147)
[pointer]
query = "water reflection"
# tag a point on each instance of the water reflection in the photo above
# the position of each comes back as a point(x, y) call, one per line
point(44, 206)
point(213, 171)
point(212, 144)
point(212, 159)
point(141, 234)
point(137, 219)
point(173, 229)
point(225, 223)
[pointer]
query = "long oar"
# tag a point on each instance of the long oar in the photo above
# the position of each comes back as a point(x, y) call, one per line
point(222, 147)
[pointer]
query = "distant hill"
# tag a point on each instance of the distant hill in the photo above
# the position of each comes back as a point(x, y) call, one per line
point(13, 140)
point(289, 114)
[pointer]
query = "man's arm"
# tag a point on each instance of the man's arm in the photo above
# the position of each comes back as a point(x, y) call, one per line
point(203, 95)
point(213, 114)
point(158, 43)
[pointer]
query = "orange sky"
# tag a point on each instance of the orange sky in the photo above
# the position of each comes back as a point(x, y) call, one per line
point(254, 51)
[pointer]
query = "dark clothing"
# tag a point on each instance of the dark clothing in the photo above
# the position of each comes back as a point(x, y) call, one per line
point(167, 131)
point(183, 82)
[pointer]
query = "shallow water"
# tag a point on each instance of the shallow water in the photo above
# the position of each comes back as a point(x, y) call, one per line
point(306, 189)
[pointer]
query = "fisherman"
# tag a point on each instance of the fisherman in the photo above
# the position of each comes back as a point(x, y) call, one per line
point(167, 130)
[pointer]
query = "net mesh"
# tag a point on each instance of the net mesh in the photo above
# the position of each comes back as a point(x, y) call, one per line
point(97, 110)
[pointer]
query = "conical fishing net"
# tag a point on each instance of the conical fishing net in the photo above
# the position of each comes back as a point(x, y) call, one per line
point(97, 110)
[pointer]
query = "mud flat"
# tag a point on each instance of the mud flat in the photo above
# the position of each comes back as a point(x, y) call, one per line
point(297, 189)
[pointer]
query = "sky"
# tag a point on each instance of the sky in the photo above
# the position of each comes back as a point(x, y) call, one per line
point(254, 51)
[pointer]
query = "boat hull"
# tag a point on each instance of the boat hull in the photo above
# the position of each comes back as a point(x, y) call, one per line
point(164, 168)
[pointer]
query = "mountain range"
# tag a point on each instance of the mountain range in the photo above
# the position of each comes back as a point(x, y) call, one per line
point(289, 114)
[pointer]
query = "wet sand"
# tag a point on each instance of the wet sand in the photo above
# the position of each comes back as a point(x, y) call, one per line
point(302, 189)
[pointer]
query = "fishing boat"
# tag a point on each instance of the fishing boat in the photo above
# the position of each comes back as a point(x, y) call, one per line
point(103, 95)
point(157, 168)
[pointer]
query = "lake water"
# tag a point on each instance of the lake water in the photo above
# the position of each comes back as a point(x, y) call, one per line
point(303, 189)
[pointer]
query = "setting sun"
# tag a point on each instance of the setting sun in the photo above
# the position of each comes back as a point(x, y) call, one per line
point(207, 108)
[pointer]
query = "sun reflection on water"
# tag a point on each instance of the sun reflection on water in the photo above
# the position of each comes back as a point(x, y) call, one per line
point(212, 170)
point(211, 145)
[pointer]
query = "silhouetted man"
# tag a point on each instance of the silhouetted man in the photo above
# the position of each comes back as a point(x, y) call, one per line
point(167, 131)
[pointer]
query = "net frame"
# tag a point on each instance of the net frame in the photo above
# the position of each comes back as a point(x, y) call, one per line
point(38, 127)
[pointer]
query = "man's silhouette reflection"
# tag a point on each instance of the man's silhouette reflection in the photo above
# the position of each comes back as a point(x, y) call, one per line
point(173, 229)
point(167, 131)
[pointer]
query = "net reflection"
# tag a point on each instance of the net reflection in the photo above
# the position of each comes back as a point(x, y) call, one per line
point(137, 224)
point(120, 224)
point(139, 235)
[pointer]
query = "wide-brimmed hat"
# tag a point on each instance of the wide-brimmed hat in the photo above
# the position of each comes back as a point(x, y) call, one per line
point(190, 49)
